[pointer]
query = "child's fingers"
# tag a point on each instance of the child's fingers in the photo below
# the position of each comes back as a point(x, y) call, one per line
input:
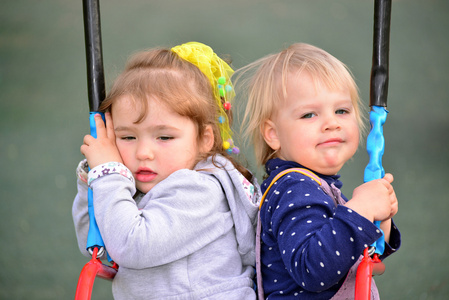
point(87, 139)
point(109, 126)
point(100, 127)
point(387, 180)
point(393, 201)
point(86, 142)
point(389, 177)
point(394, 208)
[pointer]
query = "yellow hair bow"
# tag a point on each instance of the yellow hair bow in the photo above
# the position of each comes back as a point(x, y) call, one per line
point(219, 74)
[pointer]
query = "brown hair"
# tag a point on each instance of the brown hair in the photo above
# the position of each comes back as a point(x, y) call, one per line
point(179, 84)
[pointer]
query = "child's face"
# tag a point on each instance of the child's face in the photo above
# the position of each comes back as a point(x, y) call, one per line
point(315, 127)
point(161, 144)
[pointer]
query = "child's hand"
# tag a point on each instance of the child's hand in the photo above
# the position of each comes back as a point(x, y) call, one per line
point(102, 149)
point(375, 200)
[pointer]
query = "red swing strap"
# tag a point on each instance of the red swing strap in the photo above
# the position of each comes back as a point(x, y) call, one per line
point(88, 274)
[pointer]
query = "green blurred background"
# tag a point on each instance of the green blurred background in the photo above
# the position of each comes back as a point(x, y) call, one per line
point(44, 116)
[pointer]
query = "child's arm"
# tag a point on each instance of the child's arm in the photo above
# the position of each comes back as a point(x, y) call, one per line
point(179, 216)
point(80, 214)
point(394, 238)
point(79, 209)
point(386, 229)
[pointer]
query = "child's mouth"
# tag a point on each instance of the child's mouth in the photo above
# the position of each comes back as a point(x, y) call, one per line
point(145, 175)
point(331, 142)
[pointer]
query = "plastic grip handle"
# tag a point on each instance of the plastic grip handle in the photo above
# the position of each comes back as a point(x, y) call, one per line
point(375, 145)
point(94, 238)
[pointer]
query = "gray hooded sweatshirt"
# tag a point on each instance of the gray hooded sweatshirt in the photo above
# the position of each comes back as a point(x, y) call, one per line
point(192, 236)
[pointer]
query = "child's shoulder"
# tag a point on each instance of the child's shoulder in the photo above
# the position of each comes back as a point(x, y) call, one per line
point(215, 165)
point(291, 185)
point(291, 176)
point(279, 169)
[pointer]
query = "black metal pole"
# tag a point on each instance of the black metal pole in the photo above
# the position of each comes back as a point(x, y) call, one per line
point(94, 53)
point(381, 49)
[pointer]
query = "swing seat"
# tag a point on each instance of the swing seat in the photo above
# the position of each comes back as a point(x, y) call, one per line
point(94, 268)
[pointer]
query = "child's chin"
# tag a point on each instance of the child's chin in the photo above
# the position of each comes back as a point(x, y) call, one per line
point(145, 188)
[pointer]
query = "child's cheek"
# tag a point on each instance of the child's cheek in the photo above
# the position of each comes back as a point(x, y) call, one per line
point(125, 153)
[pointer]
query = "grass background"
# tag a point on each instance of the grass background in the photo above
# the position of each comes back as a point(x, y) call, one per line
point(44, 116)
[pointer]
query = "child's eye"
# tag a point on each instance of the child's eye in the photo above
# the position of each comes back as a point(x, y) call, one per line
point(127, 138)
point(341, 111)
point(308, 116)
point(165, 138)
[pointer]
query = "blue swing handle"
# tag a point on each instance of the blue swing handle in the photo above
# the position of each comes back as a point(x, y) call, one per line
point(375, 146)
point(94, 238)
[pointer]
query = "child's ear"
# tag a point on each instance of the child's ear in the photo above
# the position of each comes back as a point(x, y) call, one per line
point(207, 141)
point(270, 135)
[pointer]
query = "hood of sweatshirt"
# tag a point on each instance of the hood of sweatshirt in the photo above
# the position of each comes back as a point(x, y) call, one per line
point(243, 199)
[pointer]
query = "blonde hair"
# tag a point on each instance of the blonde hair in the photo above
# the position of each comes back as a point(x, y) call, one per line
point(265, 82)
point(162, 74)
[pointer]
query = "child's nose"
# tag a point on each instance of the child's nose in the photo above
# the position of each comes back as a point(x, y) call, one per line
point(144, 151)
point(331, 123)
